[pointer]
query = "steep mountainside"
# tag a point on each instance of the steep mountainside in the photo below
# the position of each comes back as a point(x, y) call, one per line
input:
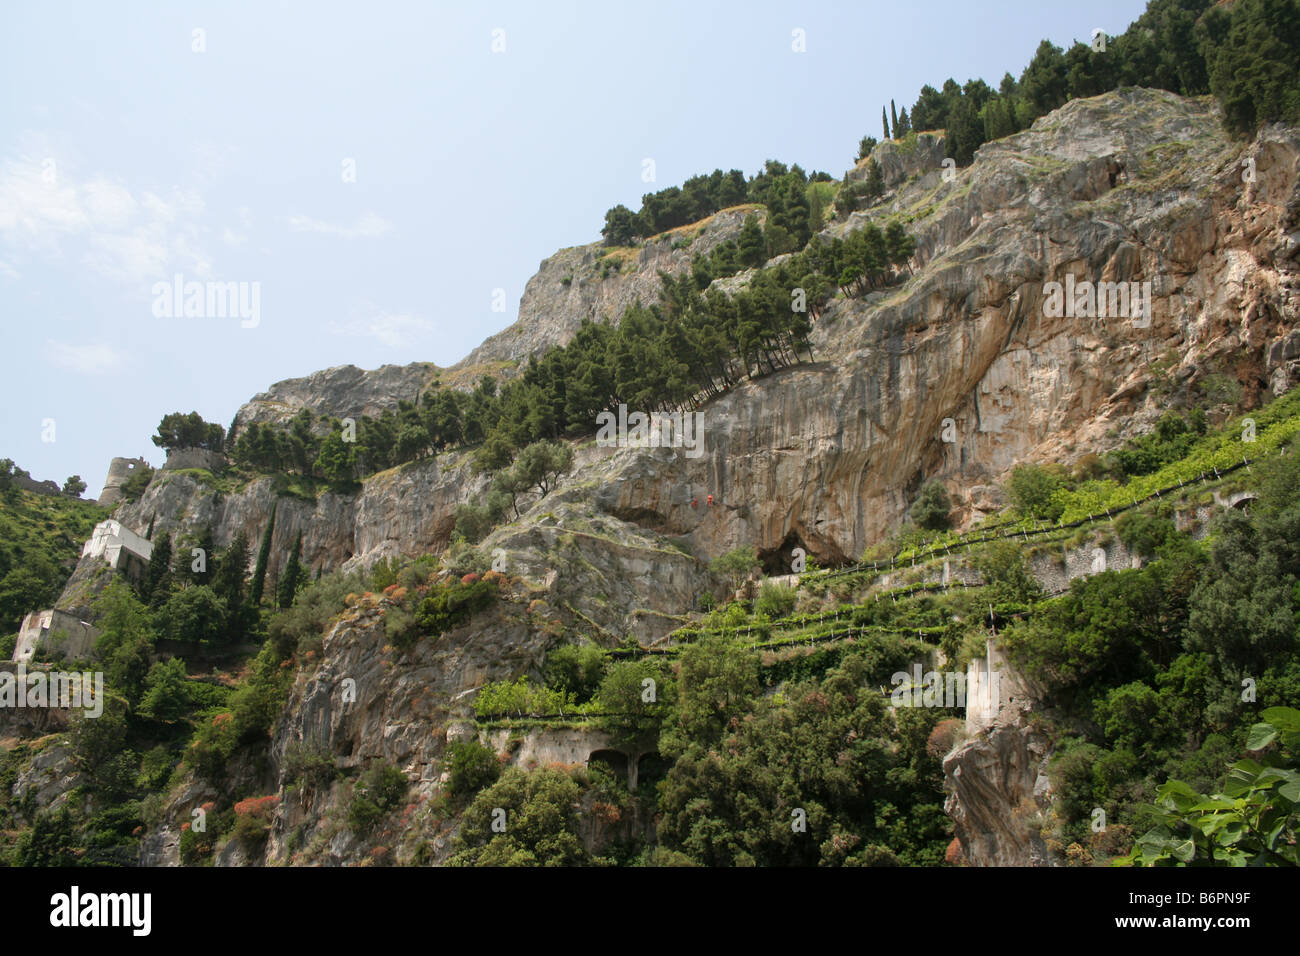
point(956, 374)
point(1136, 185)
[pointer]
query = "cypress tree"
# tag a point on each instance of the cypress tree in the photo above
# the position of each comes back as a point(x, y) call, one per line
point(893, 115)
point(263, 554)
point(884, 122)
point(228, 583)
point(160, 560)
point(292, 575)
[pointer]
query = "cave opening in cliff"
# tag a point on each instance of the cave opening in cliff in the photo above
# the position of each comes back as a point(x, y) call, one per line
point(783, 559)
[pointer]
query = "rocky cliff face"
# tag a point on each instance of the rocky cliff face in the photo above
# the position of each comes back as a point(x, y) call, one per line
point(1135, 185)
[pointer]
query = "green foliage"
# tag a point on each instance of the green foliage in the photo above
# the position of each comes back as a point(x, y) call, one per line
point(735, 565)
point(263, 556)
point(302, 627)
point(309, 766)
point(1032, 490)
point(538, 812)
point(166, 695)
point(1006, 576)
point(1171, 440)
point(293, 576)
point(1252, 821)
point(774, 600)
point(1252, 51)
point(136, 483)
point(717, 681)
point(380, 790)
point(831, 776)
point(40, 541)
point(575, 670)
point(50, 841)
point(178, 430)
point(1143, 533)
point(193, 614)
point(452, 603)
point(635, 696)
point(246, 721)
point(930, 510)
point(521, 697)
point(472, 767)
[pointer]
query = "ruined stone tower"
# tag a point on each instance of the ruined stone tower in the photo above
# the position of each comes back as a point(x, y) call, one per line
point(119, 470)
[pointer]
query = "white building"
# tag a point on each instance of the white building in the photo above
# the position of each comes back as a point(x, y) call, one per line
point(117, 545)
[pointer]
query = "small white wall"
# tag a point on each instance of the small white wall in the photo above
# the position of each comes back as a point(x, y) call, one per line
point(108, 540)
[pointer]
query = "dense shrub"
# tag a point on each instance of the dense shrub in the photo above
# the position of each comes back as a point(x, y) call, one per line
point(379, 791)
point(472, 767)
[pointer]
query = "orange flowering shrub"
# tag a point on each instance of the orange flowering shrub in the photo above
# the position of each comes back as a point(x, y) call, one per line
point(954, 854)
point(257, 806)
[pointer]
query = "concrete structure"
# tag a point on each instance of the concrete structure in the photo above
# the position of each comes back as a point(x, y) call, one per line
point(50, 632)
point(119, 470)
point(122, 549)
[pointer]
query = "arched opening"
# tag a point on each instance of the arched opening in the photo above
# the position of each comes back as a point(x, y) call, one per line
point(612, 761)
point(651, 768)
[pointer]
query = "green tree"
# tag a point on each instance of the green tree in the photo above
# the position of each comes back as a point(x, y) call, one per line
point(472, 767)
point(263, 556)
point(621, 227)
point(636, 696)
point(194, 614)
point(337, 459)
point(752, 244)
point(575, 669)
point(178, 430)
point(865, 146)
point(931, 509)
point(74, 486)
point(229, 585)
point(1253, 54)
point(293, 575)
point(540, 822)
point(735, 564)
point(166, 696)
point(1032, 489)
point(157, 578)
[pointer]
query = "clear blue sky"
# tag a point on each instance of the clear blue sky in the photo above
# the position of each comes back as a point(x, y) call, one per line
point(126, 157)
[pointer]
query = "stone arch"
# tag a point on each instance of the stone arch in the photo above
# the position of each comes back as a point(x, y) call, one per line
point(615, 761)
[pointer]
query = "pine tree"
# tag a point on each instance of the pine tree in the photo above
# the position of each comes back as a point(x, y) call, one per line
point(292, 575)
point(263, 554)
point(904, 124)
point(752, 245)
